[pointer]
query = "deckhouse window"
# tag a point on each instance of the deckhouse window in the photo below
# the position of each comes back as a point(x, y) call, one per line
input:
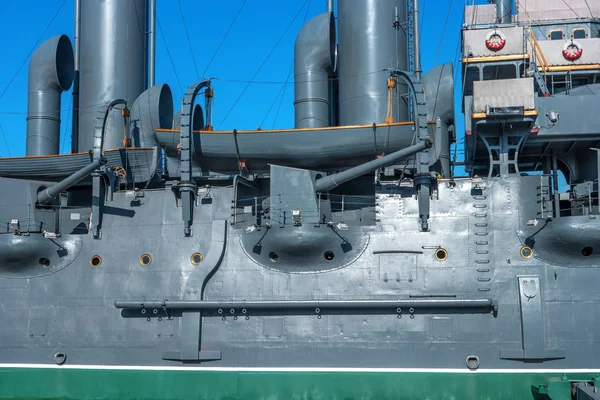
point(557, 34)
point(579, 33)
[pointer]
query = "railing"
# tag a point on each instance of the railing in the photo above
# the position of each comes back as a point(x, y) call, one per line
point(347, 209)
point(538, 54)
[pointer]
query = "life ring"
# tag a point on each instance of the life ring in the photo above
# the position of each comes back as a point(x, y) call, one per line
point(495, 40)
point(572, 50)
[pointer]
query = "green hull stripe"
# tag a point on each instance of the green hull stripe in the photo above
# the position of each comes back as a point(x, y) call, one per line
point(60, 383)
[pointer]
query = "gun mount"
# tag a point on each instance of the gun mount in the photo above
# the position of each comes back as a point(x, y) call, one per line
point(47, 195)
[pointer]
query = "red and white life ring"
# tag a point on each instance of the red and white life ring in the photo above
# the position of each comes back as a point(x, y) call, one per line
point(495, 40)
point(572, 50)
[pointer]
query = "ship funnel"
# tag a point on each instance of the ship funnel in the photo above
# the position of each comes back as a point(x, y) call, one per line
point(504, 11)
point(314, 55)
point(113, 64)
point(50, 73)
point(369, 44)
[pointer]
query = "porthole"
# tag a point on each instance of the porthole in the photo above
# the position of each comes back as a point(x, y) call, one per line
point(197, 258)
point(44, 261)
point(587, 251)
point(526, 252)
point(60, 358)
point(95, 261)
point(273, 256)
point(472, 362)
point(329, 256)
point(145, 260)
point(441, 254)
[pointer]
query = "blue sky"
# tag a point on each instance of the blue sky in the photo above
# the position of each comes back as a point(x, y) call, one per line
point(258, 28)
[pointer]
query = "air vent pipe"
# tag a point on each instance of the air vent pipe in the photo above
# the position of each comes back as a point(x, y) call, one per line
point(152, 110)
point(314, 55)
point(504, 11)
point(50, 73)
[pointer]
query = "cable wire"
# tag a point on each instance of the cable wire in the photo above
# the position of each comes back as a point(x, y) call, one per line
point(223, 40)
point(263, 64)
point(169, 54)
point(5, 142)
point(32, 49)
point(187, 35)
point(62, 148)
point(284, 86)
point(443, 33)
point(282, 90)
point(589, 9)
point(574, 12)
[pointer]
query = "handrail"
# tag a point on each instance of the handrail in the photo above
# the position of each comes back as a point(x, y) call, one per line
point(539, 54)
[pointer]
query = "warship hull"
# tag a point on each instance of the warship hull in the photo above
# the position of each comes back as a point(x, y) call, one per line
point(101, 382)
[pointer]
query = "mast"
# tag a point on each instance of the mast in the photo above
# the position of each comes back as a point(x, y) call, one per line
point(417, 39)
point(152, 61)
point(330, 5)
point(75, 121)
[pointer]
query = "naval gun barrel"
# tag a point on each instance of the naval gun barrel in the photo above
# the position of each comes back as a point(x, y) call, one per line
point(331, 181)
point(47, 195)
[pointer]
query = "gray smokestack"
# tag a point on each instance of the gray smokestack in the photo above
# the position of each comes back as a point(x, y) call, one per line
point(113, 63)
point(504, 11)
point(366, 46)
point(314, 54)
point(50, 73)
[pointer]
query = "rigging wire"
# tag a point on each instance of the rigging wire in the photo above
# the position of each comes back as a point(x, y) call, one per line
point(5, 142)
point(282, 90)
point(589, 9)
point(187, 35)
point(33, 49)
point(443, 33)
point(62, 148)
point(574, 12)
point(223, 39)
point(162, 34)
point(263, 64)
point(284, 86)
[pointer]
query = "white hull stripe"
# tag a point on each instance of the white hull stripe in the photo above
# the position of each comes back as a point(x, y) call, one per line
point(303, 369)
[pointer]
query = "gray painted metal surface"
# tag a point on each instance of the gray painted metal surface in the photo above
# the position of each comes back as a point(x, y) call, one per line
point(152, 110)
point(314, 58)
point(367, 46)
point(113, 63)
point(236, 257)
point(504, 10)
point(50, 74)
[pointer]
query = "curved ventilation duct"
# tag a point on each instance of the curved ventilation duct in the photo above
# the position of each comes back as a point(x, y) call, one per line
point(314, 54)
point(112, 64)
point(197, 120)
point(50, 73)
point(152, 110)
point(439, 92)
point(367, 45)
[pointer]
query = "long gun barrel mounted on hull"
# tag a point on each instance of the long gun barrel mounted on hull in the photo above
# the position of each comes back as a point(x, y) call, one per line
point(47, 195)
point(331, 181)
